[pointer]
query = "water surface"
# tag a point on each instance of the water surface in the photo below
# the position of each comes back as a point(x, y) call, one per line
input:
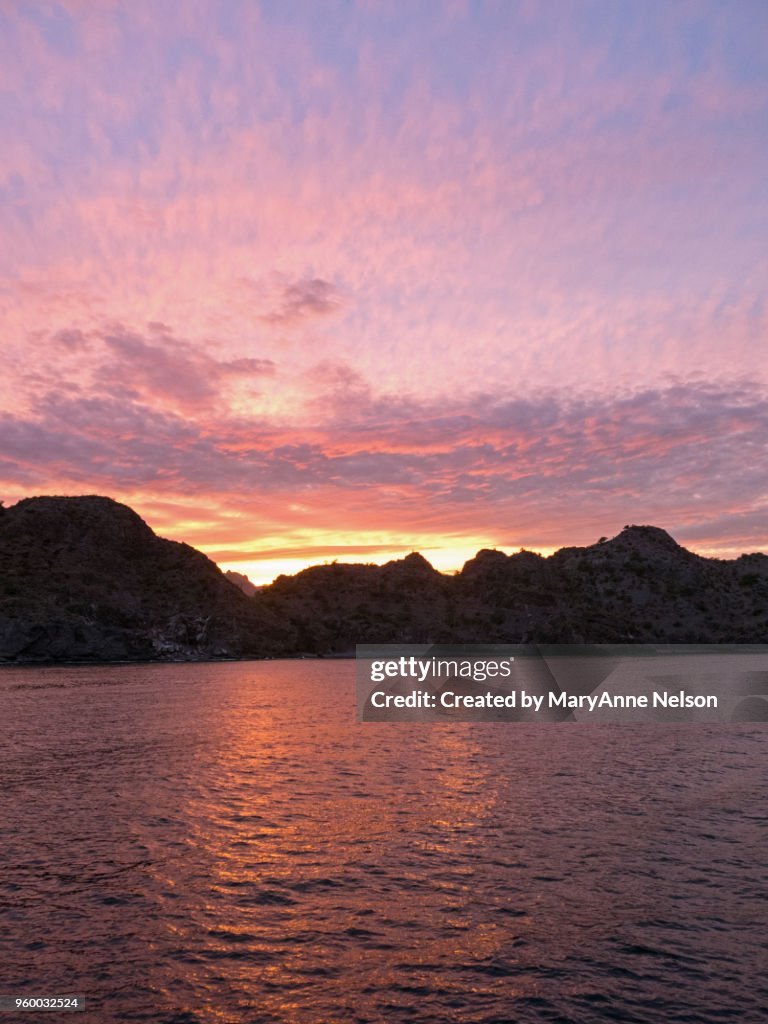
point(224, 843)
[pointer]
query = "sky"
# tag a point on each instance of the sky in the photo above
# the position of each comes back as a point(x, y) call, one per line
point(323, 280)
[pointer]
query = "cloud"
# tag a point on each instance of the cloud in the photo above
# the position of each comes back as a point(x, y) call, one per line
point(575, 202)
point(336, 389)
point(537, 469)
point(73, 339)
point(308, 551)
point(155, 366)
point(304, 300)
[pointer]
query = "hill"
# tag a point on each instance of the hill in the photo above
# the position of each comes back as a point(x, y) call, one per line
point(639, 587)
point(85, 579)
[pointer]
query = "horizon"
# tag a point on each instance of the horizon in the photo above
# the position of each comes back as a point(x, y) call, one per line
point(303, 281)
point(260, 573)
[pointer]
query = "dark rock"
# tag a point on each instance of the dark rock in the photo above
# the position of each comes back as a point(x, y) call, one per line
point(242, 582)
point(85, 579)
point(639, 587)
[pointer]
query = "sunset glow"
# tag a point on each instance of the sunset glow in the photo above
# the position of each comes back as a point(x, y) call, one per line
point(302, 282)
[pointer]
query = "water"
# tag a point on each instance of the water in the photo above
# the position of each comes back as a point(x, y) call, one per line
point(223, 843)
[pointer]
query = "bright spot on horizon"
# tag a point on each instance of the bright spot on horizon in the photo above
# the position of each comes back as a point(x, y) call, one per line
point(445, 560)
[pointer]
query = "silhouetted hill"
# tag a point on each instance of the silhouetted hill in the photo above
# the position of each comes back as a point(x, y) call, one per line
point(639, 587)
point(331, 608)
point(242, 582)
point(85, 579)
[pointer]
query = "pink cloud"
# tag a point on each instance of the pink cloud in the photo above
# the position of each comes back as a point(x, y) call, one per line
point(509, 468)
point(352, 245)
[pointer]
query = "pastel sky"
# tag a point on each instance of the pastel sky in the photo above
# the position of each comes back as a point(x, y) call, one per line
point(312, 280)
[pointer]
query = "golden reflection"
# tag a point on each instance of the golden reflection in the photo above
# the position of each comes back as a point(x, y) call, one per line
point(313, 849)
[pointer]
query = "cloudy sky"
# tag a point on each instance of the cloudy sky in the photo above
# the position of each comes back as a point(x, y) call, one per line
point(314, 280)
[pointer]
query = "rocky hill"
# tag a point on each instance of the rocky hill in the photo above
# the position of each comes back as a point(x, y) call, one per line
point(639, 587)
point(85, 579)
point(333, 607)
point(242, 582)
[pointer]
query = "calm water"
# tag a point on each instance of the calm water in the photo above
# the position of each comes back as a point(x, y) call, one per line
point(223, 843)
